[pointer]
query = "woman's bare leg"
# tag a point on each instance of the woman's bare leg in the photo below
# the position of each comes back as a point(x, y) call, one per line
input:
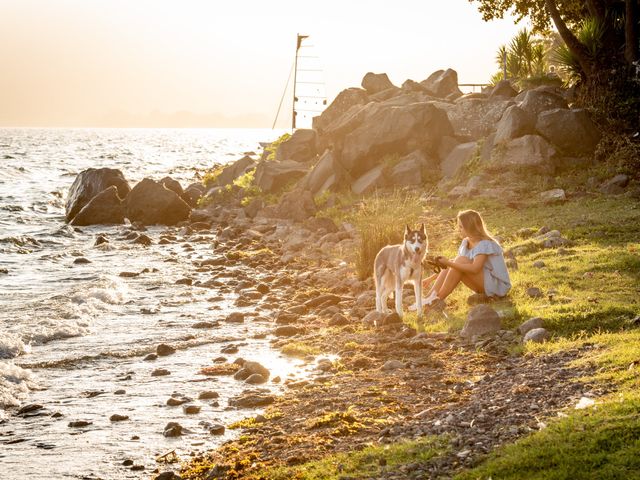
point(475, 281)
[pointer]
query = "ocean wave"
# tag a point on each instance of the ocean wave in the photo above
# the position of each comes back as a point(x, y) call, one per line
point(15, 383)
point(11, 345)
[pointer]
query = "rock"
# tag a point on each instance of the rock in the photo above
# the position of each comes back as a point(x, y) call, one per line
point(324, 300)
point(376, 82)
point(118, 418)
point(202, 325)
point(571, 131)
point(79, 424)
point(252, 400)
point(150, 357)
point(192, 194)
point(252, 368)
point(300, 147)
point(553, 196)
point(127, 463)
point(172, 185)
point(442, 83)
point(535, 322)
point(481, 320)
point(371, 180)
point(389, 129)
point(235, 317)
point(458, 157)
point(529, 151)
point(615, 185)
point(539, 264)
point(216, 429)
point(176, 400)
point(143, 239)
point(391, 319)
point(255, 379)
point(477, 299)
point(373, 318)
point(235, 170)
point(105, 208)
point(172, 429)
point(191, 409)
point(163, 350)
point(90, 183)
point(272, 177)
point(392, 365)
point(344, 101)
point(207, 395)
point(32, 407)
point(81, 261)
point(408, 171)
point(254, 206)
point(503, 89)
point(534, 292)
point(287, 331)
point(160, 372)
point(297, 205)
point(536, 101)
point(338, 320)
point(325, 175)
point(167, 476)
point(184, 281)
point(515, 122)
point(536, 335)
point(150, 202)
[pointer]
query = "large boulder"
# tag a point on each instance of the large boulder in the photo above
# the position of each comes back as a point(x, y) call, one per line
point(326, 174)
point(442, 83)
point(515, 122)
point(172, 185)
point(531, 151)
point(475, 117)
point(234, 170)
point(572, 131)
point(393, 130)
point(376, 82)
point(105, 208)
point(343, 102)
point(408, 170)
point(150, 202)
point(369, 181)
point(301, 146)
point(481, 320)
point(90, 183)
point(273, 176)
point(534, 102)
point(457, 158)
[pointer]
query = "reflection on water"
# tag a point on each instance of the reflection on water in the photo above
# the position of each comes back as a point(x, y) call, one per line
point(74, 336)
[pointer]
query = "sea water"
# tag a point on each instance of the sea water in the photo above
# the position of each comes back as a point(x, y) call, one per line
point(71, 335)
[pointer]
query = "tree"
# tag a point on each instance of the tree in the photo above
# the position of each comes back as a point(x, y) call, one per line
point(607, 72)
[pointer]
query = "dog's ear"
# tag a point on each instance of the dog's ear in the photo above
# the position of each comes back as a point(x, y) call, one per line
point(406, 229)
point(423, 229)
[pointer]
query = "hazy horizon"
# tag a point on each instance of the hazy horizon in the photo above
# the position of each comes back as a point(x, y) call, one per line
point(94, 63)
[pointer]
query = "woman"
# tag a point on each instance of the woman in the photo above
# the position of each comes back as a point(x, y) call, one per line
point(479, 265)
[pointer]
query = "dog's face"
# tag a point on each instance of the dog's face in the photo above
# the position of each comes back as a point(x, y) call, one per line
point(416, 240)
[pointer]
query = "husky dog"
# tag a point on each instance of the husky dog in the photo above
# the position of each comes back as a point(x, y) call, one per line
point(396, 265)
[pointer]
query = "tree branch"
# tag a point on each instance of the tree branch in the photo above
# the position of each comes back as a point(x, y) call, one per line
point(573, 44)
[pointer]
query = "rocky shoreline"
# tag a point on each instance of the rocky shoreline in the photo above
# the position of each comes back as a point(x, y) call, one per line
point(373, 384)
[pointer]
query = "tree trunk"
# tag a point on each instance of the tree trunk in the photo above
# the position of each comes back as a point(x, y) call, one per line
point(573, 44)
point(631, 31)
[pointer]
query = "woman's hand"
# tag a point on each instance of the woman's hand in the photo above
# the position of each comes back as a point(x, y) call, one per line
point(442, 261)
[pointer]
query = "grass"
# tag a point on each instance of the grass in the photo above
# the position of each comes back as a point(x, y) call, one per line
point(299, 349)
point(369, 462)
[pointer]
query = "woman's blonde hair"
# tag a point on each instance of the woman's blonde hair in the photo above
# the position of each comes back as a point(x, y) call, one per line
point(473, 224)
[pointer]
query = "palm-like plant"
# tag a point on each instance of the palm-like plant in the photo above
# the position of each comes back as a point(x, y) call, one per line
point(590, 34)
point(525, 55)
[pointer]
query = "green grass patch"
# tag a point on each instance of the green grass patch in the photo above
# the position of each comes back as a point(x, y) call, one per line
point(368, 462)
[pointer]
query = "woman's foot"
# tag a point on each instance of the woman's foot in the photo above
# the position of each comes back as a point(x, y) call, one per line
point(425, 301)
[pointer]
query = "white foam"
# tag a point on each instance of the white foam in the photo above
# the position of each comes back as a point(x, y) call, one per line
point(15, 383)
point(11, 345)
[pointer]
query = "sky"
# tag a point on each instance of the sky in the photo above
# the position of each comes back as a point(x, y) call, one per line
point(219, 63)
